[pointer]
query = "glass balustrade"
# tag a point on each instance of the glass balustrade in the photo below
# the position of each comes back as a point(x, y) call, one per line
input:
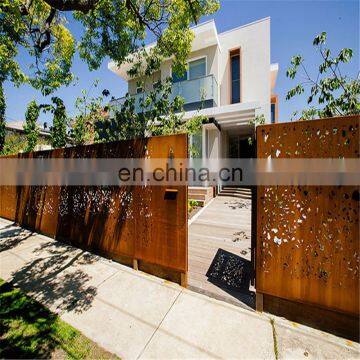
point(197, 93)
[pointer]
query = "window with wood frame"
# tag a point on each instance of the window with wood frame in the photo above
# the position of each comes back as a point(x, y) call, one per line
point(274, 108)
point(273, 114)
point(235, 76)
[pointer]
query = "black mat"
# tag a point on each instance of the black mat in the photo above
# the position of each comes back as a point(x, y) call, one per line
point(230, 271)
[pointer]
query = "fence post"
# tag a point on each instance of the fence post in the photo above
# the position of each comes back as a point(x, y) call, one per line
point(184, 280)
point(135, 264)
point(259, 302)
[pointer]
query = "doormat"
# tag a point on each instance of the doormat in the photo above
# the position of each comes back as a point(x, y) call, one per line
point(230, 270)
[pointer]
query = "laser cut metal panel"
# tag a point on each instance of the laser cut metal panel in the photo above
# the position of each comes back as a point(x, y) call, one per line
point(308, 236)
point(135, 222)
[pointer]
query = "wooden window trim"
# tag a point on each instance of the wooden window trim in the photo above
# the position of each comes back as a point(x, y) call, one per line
point(274, 99)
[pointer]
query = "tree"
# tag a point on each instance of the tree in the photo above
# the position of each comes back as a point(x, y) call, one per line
point(111, 28)
point(335, 94)
point(2, 118)
point(156, 113)
point(14, 143)
point(90, 110)
point(37, 28)
point(31, 129)
point(58, 129)
point(257, 120)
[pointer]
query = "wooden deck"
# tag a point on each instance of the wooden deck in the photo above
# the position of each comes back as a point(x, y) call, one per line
point(224, 224)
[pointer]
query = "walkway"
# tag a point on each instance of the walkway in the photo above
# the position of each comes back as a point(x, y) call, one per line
point(140, 316)
point(220, 251)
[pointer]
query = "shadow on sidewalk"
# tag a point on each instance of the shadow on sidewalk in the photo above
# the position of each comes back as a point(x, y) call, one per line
point(54, 278)
point(12, 237)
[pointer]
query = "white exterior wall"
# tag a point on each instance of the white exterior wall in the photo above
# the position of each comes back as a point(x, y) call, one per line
point(132, 84)
point(213, 143)
point(254, 43)
point(211, 54)
point(224, 151)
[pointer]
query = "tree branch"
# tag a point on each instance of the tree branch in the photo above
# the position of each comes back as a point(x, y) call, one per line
point(73, 5)
point(332, 70)
point(24, 8)
point(47, 31)
point(193, 13)
point(132, 8)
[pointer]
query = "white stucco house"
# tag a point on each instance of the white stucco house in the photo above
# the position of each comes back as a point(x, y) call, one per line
point(230, 75)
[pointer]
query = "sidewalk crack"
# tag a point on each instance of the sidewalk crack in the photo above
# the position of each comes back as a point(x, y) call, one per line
point(110, 276)
point(162, 320)
point(276, 350)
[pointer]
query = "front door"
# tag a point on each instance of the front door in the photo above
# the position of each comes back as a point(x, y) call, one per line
point(239, 147)
point(234, 146)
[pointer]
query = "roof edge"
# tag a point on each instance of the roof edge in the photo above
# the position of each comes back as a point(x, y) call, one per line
point(246, 25)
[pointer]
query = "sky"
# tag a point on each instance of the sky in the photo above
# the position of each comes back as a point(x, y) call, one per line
point(294, 24)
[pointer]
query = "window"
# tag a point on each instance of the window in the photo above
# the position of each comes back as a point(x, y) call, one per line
point(273, 113)
point(197, 68)
point(139, 90)
point(235, 76)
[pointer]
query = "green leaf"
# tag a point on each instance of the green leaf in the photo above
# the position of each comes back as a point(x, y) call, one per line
point(320, 39)
point(336, 94)
point(345, 55)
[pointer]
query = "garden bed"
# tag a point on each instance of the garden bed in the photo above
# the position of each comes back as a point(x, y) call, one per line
point(193, 208)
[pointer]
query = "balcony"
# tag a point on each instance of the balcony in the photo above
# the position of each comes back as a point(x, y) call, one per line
point(197, 93)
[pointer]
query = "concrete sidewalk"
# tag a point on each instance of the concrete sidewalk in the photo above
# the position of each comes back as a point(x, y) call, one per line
point(136, 315)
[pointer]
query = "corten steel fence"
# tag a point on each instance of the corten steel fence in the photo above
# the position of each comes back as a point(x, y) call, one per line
point(308, 237)
point(135, 225)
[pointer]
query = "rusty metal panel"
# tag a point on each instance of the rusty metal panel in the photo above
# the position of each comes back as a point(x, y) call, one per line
point(7, 200)
point(308, 236)
point(131, 221)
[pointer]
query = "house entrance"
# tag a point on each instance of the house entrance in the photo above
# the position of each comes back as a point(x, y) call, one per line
point(221, 253)
point(239, 147)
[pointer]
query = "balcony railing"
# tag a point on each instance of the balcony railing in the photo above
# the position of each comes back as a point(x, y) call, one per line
point(197, 93)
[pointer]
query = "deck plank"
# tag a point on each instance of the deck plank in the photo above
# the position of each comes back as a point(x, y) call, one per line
point(224, 224)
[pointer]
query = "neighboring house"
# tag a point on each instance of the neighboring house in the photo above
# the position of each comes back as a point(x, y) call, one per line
point(15, 131)
point(230, 76)
point(17, 127)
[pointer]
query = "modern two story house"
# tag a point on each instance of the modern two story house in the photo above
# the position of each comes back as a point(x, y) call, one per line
point(230, 76)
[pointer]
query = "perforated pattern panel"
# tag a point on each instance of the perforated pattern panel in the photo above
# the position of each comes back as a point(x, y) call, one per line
point(308, 237)
point(132, 221)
